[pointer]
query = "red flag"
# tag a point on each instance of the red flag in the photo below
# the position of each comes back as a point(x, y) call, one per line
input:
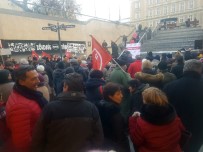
point(44, 54)
point(34, 54)
point(100, 57)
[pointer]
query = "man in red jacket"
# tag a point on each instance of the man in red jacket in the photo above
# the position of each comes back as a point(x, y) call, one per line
point(135, 66)
point(23, 108)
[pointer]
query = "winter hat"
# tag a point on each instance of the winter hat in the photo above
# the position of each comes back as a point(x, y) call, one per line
point(121, 62)
point(96, 74)
point(40, 68)
point(4, 76)
point(162, 65)
point(83, 62)
point(60, 65)
point(69, 70)
point(74, 61)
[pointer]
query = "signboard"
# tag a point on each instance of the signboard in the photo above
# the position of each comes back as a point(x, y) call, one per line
point(23, 46)
point(134, 49)
point(5, 51)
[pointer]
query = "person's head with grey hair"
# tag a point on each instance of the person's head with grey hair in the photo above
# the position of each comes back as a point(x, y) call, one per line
point(193, 65)
point(24, 61)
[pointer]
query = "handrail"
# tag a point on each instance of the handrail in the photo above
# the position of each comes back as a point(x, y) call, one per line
point(127, 35)
point(143, 35)
point(153, 31)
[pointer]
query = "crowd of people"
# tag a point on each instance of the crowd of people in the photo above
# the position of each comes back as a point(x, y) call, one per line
point(52, 105)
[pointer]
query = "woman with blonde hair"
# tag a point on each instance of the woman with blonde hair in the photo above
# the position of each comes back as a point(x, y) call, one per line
point(156, 127)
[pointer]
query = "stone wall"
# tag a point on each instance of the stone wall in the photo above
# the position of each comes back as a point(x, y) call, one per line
point(15, 25)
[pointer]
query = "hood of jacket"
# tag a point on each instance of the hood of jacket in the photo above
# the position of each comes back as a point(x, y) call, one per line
point(71, 96)
point(145, 77)
point(158, 115)
point(59, 72)
point(94, 83)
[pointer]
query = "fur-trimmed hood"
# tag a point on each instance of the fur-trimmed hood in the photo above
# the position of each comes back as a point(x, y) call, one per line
point(149, 78)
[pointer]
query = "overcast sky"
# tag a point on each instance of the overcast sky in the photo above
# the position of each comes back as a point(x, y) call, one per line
point(107, 9)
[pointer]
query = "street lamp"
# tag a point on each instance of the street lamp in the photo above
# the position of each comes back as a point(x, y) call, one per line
point(57, 28)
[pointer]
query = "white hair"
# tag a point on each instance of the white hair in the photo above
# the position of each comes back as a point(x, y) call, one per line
point(193, 65)
point(24, 61)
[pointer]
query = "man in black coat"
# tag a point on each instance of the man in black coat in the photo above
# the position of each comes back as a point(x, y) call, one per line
point(187, 97)
point(70, 124)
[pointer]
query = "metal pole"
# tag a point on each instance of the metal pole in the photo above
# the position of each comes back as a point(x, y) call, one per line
point(59, 38)
point(1, 56)
point(119, 66)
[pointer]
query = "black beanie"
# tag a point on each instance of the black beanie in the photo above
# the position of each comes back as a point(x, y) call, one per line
point(4, 76)
point(96, 74)
point(121, 62)
point(60, 65)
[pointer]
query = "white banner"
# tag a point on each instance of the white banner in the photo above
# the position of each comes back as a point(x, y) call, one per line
point(134, 49)
point(5, 52)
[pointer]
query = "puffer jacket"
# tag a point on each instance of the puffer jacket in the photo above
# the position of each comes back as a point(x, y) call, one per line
point(70, 124)
point(21, 116)
point(154, 80)
point(134, 68)
point(157, 130)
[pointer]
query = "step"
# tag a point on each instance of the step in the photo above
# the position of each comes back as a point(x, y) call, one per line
point(180, 30)
point(193, 37)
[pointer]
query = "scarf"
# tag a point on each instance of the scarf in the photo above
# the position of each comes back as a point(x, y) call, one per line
point(31, 94)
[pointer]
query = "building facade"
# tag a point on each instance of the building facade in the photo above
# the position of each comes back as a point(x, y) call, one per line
point(150, 12)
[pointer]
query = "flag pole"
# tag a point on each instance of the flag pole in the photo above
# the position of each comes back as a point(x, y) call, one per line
point(119, 66)
point(121, 53)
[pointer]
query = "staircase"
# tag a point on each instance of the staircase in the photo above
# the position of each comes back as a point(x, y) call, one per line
point(172, 40)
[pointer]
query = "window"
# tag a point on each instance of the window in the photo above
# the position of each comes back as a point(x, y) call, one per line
point(148, 14)
point(158, 11)
point(190, 4)
point(173, 8)
point(181, 19)
point(137, 5)
point(152, 13)
point(149, 2)
point(182, 6)
point(190, 17)
point(177, 7)
point(137, 15)
point(165, 10)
